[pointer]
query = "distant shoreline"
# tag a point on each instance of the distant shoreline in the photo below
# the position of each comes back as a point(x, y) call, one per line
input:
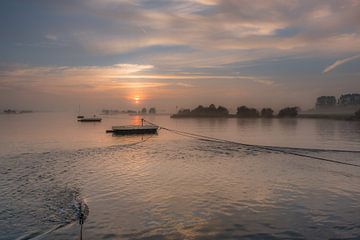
point(344, 117)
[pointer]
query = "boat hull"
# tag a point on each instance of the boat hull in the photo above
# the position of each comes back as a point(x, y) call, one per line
point(89, 120)
point(133, 130)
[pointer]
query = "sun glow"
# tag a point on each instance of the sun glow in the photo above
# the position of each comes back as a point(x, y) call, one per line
point(136, 99)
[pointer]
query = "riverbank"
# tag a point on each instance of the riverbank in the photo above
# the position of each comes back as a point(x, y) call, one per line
point(348, 117)
point(344, 117)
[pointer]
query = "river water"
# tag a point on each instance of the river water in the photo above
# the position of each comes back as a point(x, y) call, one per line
point(168, 186)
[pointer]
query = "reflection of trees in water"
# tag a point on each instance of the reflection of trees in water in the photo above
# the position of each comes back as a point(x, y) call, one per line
point(211, 122)
point(248, 126)
point(267, 124)
point(246, 122)
point(288, 124)
point(338, 130)
point(325, 129)
point(349, 130)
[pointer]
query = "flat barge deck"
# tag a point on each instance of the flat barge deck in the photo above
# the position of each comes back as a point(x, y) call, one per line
point(133, 129)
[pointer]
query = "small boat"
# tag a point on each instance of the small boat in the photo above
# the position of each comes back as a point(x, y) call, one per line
point(134, 129)
point(90, 119)
point(79, 116)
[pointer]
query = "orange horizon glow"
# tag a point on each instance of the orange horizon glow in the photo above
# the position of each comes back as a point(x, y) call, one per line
point(136, 99)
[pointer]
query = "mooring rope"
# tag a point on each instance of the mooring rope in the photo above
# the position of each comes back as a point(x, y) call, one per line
point(263, 147)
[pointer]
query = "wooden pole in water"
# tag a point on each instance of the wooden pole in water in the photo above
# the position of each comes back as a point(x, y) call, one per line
point(81, 230)
point(81, 220)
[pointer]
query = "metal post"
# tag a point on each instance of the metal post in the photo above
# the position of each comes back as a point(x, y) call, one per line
point(81, 220)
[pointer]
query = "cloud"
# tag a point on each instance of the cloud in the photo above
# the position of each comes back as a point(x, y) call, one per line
point(125, 76)
point(186, 85)
point(217, 27)
point(51, 37)
point(221, 27)
point(133, 68)
point(339, 62)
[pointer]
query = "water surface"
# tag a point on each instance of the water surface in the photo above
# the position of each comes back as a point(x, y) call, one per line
point(173, 187)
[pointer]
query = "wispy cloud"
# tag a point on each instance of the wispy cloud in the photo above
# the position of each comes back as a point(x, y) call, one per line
point(51, 37)
point(235, 25)
point(340, 62)
point(108, 78)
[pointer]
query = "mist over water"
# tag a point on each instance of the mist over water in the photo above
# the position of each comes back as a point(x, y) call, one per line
point(173, 187)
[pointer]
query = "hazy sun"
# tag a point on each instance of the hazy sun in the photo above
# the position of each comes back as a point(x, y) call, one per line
point(136, 99)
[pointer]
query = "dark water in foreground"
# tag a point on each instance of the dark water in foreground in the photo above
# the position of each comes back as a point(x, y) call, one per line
point(173, 187)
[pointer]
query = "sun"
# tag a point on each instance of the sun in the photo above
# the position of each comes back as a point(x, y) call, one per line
point(136, 99)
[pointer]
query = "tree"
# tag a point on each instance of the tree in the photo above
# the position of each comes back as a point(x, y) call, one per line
point(184, 111)
point(222, 110)
point(245, 112)
point(267, 113)
point(290, 112)
point(152, 110)
point(143, 111)
point(201, 111)
point(212, 107)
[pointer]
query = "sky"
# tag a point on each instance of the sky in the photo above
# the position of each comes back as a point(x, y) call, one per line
point(171, 54)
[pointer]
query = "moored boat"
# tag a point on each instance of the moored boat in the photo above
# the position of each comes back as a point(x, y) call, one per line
point(89, 119)
point(134, 129)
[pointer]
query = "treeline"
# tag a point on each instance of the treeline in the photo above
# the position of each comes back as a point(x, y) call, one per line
point(12, 111)
point(242, 112)
point(152, 110)
point(245, 112)
point(201, 111)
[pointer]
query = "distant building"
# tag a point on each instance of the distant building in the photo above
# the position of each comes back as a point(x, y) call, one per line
point(325, 101)
point(349, 99)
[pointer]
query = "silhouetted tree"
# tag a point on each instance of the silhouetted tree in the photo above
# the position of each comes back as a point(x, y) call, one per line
point(143, 111)
point(201, 111)
point(212, 107)
point(9, 111)
point(222, 110)
point(184, 111)
point(290, 112)
point(267, 113)
point(152, 110)
point(211, 110)
point(245, 112)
